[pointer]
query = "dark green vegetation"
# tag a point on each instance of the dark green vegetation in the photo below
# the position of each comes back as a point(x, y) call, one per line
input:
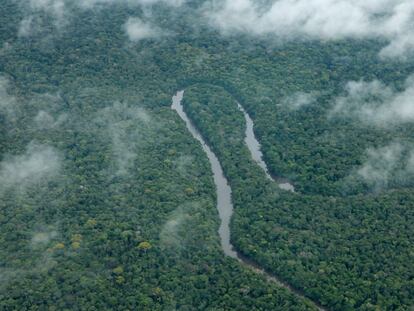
point(117, 207)
point(124, 172)
point(120, 232)
point(347, 253)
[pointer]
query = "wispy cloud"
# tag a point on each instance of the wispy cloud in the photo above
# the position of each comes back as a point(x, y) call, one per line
point(320, 19)
point(55, 9)
point(92, 3)
point(375, 103)
point(127, 126)
point(137, 30)
point(393, 163)
point(298, 100)
point(60, 11)
point(44, 120)
point(39, 262)
point(42, 238)
point(171, 234)
point(50, 111)
point(37, 163)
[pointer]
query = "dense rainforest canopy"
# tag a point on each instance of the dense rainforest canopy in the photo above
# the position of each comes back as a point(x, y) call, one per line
point(108, 203)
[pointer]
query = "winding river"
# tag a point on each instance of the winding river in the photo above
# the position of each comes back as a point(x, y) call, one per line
point(224, 204)
point(224, 199)
point(257, 155)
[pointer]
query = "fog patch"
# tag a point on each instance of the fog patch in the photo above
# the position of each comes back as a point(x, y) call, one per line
point(43, 238)
point(41, 265)
point(298, 100)
point(48, 107)
point(49, 115)
point(137, 30)
point(127, 127)
point(172, 233)
point(375, 103)
point(92, 3)
point(26, 27)
point(123, 153)
point(380, 164)
point(6, 48)
point(320, 19)
point(31, 23)
point(53, 7)
point(45, 120)
point(388, 165)
point(39, 162)
point(60, 11)
point(123, 111)
point(184, 165)
point(40, 258)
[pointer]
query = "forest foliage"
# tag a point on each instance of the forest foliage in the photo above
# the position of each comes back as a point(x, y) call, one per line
point(106, 201)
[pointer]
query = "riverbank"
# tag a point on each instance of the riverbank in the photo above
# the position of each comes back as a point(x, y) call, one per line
point(224, 195)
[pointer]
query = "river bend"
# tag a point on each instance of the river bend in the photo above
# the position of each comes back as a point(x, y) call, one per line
point(224, 199)
point(224, 204)
point(256, 152)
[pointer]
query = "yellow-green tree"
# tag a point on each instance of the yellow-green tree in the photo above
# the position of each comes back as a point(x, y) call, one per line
point(145, 245)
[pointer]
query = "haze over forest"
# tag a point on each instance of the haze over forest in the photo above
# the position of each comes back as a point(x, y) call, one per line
point(206, 155)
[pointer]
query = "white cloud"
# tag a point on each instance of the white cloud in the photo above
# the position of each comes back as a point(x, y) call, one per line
point(321, 19)
point(54, 7)
point(92, 3)
point(38, 162)
point(172, 234)
point(137, 30)
point(391, 163)
point(126, 126)
point(43, 237)
point(298, 100)
point(375, 103)
point(381, 163)
point(60, 10)
point(45, 120)
point(25, 28)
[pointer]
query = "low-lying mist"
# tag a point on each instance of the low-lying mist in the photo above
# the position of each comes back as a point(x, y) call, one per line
point(390, 165)
point(38, 163)
point(376, 103)
point(391, 20)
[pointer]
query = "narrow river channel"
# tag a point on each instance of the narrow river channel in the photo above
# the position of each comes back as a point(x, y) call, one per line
point(256, 152)
point(224, 199)
point(224, 204)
